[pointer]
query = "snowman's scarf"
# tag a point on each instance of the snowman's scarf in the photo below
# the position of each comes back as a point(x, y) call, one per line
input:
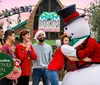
point(74, 40)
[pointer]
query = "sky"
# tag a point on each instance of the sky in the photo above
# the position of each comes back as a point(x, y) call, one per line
point(8, 4)
point(17, 3)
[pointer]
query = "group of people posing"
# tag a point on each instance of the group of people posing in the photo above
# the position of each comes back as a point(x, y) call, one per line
point(46, 64)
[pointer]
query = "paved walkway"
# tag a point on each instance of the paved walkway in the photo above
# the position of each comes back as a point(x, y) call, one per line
point(42, 84)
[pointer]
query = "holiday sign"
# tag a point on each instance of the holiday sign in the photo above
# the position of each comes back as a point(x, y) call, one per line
point(6, 64)
point(49, 22)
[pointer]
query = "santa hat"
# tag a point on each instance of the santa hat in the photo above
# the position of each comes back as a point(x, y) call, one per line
point(37, 32)
point(69, 14)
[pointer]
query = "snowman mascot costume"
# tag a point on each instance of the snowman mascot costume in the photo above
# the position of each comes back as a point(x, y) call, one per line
point(82, 46)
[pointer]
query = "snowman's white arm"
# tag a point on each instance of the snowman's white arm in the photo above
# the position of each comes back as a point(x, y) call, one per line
point(70, 53)
point(68, 50)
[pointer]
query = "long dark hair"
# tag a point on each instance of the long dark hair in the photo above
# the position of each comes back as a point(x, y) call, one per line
point(23, 33)
point(1, 40)
point(1, 25)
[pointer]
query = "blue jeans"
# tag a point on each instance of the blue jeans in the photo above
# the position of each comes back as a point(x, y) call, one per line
point(53, 77)
point(38, 74)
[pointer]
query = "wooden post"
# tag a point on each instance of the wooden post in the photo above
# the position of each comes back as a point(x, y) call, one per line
point(49, 10)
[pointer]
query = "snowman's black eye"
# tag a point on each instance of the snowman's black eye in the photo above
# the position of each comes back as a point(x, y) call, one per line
point(72, 34)
point(65, 28)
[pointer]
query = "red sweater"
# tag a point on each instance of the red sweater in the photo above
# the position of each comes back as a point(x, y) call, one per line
point(57, 62)
point(22, 54)
point(91, 50)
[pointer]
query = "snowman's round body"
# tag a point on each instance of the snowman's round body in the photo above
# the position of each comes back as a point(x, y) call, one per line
point(84, 76)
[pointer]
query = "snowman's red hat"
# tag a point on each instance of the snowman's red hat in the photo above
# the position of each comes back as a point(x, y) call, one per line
point(69, 14)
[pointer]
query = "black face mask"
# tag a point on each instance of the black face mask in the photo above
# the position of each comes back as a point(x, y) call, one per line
point(41, 40)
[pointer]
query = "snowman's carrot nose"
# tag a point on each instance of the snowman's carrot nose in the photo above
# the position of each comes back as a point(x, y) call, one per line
point(63, 35)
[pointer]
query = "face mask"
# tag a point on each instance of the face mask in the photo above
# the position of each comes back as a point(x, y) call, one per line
point(41, 40)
